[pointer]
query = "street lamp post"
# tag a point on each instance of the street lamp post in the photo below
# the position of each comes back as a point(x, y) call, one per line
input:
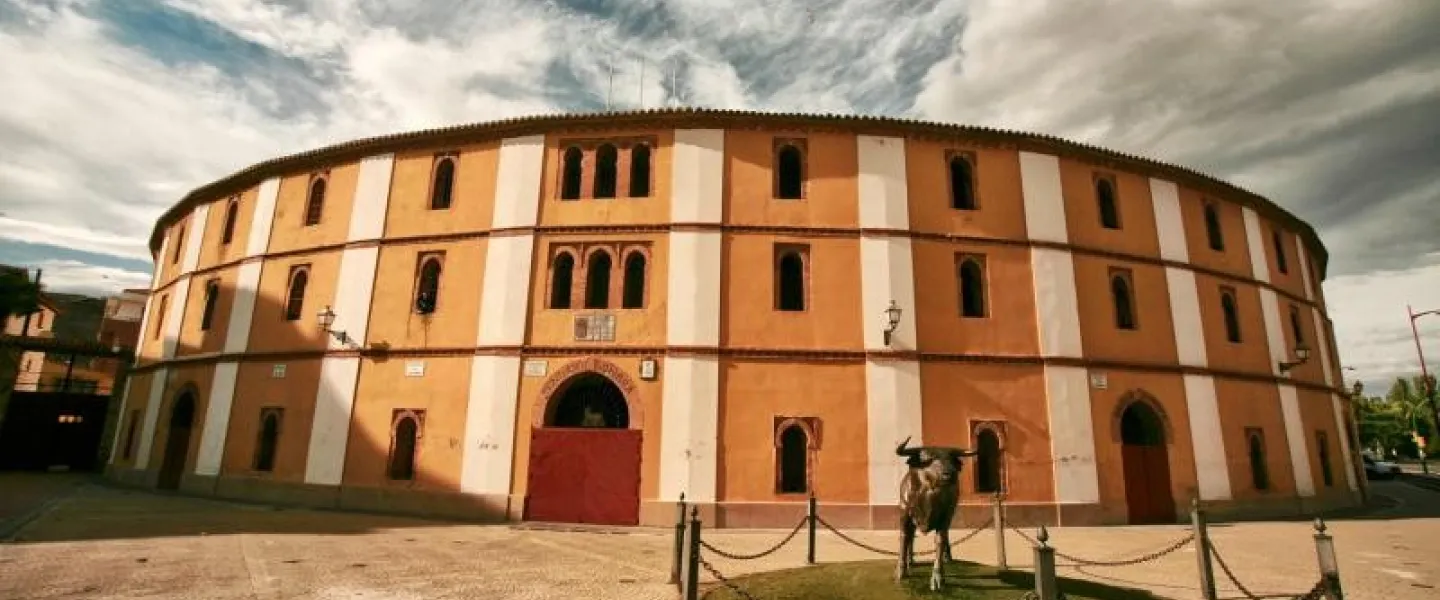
point(1429, 390)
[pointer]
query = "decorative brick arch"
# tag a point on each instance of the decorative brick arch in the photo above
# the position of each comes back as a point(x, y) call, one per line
point(584, 366)
point(1141, 396)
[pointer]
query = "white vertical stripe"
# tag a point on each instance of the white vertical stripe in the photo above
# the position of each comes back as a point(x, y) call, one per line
point(1211, 471)
point(698, 176)
point(893, 413)
point(353, 291)
point(1295, 436)
point(173, 321)
point(689, 448)
point(490, 425)
point(505, 291)
point(120, 421)
point(1056, 305)
point(1274, 335)
point(884, 193)
point(242, 308)
point(887, 273)
point(263, 218)
point(217, 419)
point(194, 238)
point(372, 197)
point(1323, 345)
point(517, 184)
point(1302, 262)
point(158, 379)
point(1254, 237)
point(1169, 224)
point(330, 428)
point(1185, 313)
point(1337, 408)
point(1044, 202)
point(159, 261)
point(692, 316)
point(1072, 436)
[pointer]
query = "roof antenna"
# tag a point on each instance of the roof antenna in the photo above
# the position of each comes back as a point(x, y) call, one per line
point(609, 91)
point(642, 83)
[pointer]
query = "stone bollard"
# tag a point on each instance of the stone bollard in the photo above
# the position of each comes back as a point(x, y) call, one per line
point(1202, 550)
point(812, 515)
point(692, 558)
point(1329, 567)
point(999, 519)
point(679, 540)
point(1046, 586)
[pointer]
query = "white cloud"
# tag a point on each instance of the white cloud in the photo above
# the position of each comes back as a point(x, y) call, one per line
point(1372, 328)
point(75, 277)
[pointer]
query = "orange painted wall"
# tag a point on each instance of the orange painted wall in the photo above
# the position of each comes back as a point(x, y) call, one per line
point(393, 319)
point(137, 398)
point(1235, 259)
point(1137, 233)
point(1106, 410)
point(830, 194)
point(255, 389)
point(1010, 300)
point(955, 394)
point(753, 393)
point(472, 200)
point(1313, 370)
point(831, 319)
point(180, 379)
point(1252, 354)
point(1317, 414)
point(168, 262)
point(1001, 212)
point(1250, 404)
point(212, 252)
point(633, 326)
point(192, 339)
point(1292, 280)
point(268, 328)
point(654, 208)
point(1153, 339)
point(443, 393)
point(289, 231)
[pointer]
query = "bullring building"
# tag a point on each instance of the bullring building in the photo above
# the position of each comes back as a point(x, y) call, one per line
point(578, 318)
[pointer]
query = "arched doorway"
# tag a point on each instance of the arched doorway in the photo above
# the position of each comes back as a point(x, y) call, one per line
point(177, 441)
point(1147, 464)
point(584, 453)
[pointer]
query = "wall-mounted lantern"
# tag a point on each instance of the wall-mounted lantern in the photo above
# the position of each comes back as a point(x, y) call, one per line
point(327, 318)
point(892, 316)
point(1302, 355)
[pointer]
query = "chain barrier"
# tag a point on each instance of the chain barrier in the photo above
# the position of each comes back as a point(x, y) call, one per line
point(705, 564)
point(1224, 568)
point(1320, 591)
point(1144, 558)
point(863, 545)
point(763, 554)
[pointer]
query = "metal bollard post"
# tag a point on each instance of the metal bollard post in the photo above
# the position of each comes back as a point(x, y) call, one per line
point(812, 514)
point(679, 540)
point(1046, 586)
point(1000, 533)
point(1329, 567)
point(692, 558)
point(1202, 550)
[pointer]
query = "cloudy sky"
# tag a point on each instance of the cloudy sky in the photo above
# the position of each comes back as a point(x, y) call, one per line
point(113, 109)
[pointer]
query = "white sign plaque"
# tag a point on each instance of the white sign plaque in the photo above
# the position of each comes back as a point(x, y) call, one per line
point(1099, 381)
point(536, 368)
point(415, 368)
point(277, 371)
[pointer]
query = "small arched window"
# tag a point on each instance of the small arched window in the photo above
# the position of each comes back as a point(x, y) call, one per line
point(1322, 448)
point(1279, 243)
point(1213, 235)
point(962, 183)
point(316, 204)
point(634, 296)
point(790, 273)
point(562, 277)
point(640, 171)
point(427, 288)
point(972, 287)
point(572, 170)
point(789, 172)
point(597, 280)
point(1232, 316)
point(606, 171)
point(1295, 329)
point(295, 300)
point(232, 211)
point(1124, 298)
point(794, 460)
point(1109, 212)
point(444, 185)
point(402, 445)
point(1259, 473)
point(269, 439)
point(207, 315)
point(179, 245)
point(988, 467)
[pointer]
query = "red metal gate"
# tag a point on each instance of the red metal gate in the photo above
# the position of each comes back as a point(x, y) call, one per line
point(584, 476)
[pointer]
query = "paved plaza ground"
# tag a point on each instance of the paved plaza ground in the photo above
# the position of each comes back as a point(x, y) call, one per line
point(72, 537)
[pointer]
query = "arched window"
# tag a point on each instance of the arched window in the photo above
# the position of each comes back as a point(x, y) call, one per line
point(427, 288)
point(988, 467)
point(606, 159)
point(295, 300)
point(562, 277)
point(634, 296)
point(1279, 243)
point(572, 171)
point(597, 280)
point(972, 287)
point(1124, 299)
point(179, 245)
point(232, 211)
point(444, 184)
point(207, 315)
point(962, 184)
point(1259, 473)
point(640, 171)
point(269, 439)
point(1109, 212)
point(404, 435)
point(789, 173)
point(1295, 329)
point(790, 284)
point(1322, 447)
point(1232, 316)
point(794, 460)
point(1213, 234)
point(316, 204)
point(159, 315)
point(130, 435)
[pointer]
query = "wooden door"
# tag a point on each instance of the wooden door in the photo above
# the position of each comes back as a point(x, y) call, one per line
point(177, 446)
point(1147, 484)
point(587, 475)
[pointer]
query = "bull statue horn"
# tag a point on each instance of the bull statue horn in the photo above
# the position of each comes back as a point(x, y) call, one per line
point(901, 450)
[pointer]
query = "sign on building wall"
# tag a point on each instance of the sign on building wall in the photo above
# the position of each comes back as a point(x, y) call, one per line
point(536, 368)
point(278, 371)
point(415, 368)
point(1099, 381)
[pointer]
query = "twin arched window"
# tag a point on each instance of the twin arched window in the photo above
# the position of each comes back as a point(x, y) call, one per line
point(962, 183)
point(443, 186)
point(972, 287)
point(1123, 294)
point(1105, 196)
point(1231, 314)
point(295, 299)
point(789, 172)
point(597, 280)
point(606, 182)
point(315, 205)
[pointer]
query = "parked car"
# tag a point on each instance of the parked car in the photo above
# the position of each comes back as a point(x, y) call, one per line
point(1379, 469)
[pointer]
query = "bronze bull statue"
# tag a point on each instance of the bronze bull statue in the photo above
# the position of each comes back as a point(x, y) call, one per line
point(929, 494)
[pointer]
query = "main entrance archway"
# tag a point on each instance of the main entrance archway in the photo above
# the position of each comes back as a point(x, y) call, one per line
point(585, 451)
point(177, 441)
point(1147, 464)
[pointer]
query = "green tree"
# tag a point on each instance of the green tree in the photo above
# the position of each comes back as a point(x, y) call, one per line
point(18, 295)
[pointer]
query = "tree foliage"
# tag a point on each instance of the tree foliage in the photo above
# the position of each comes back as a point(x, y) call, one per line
point(1386, 422)
point(18, 295)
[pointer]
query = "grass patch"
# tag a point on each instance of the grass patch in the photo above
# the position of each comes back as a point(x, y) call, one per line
point(874, 580)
